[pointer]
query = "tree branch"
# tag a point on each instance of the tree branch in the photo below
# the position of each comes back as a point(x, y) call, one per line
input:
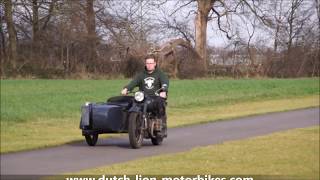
point(186, 4)
point(219, 23)
point(52, 4)
point(254, 11)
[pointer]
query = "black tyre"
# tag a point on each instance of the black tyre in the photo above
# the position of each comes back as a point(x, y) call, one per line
point(91, 139)
point(135, 130)
point(157, 140)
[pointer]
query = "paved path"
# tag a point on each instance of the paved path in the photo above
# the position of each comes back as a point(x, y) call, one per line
point(78, 156)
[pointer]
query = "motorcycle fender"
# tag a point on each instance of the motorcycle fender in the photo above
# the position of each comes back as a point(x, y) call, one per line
point(135, 109)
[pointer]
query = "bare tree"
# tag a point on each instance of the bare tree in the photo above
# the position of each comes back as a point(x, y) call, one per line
point(3, 55)
point(278, 22)
point(204, 7)
point(2, 43)
point(35, 21)
point(288, 23)
point(125, 25)
point(175, 26)
point(92, 36)
point(12, 34)
point(293, 29)
point(208, 10)
point(317, 54)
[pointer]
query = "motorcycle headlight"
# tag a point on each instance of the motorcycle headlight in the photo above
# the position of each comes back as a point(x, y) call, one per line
point(139, 96)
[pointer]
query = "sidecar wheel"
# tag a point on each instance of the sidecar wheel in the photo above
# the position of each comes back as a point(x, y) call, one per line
point(135, 131)
point(157, 140)
point(91, 139)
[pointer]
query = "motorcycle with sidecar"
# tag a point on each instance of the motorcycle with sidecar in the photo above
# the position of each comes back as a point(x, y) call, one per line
point(123, 114)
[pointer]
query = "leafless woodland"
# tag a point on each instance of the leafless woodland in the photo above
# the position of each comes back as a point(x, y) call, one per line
point(109, 38)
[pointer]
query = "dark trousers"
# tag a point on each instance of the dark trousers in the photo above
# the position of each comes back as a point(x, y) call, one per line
point(158, 106)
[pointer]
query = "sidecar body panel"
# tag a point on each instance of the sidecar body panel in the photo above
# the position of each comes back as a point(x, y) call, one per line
point(109, 117)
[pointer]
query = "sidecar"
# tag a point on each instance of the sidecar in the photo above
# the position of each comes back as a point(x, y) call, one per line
point(107, 117)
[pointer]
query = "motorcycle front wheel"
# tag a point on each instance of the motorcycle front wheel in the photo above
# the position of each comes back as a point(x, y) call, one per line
point(135, 130)
point(91, 139)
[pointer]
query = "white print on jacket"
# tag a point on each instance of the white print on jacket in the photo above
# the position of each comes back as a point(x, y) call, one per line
point(149, 82)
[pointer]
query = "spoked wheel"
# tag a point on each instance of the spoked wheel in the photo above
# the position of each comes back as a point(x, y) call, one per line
point(159, 136)
point(135, 130)
point(91, 139)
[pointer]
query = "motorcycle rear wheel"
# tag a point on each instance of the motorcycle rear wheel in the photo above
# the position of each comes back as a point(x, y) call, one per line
point(135, 130)
point(157, 140)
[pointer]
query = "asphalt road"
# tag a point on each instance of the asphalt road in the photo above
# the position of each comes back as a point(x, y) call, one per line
point(78, 156)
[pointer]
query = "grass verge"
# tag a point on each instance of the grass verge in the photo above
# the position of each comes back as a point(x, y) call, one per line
point(185, 116)
point(289, 153)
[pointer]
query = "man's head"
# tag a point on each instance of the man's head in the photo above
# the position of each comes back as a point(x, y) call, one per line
point(150, 63)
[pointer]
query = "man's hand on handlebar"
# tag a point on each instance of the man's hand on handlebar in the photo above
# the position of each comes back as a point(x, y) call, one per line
point(124, 91)
point(163, 94)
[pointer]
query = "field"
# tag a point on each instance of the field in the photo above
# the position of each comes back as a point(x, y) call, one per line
point(41, 113)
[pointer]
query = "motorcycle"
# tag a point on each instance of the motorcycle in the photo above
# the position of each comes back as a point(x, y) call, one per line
point(123, 114)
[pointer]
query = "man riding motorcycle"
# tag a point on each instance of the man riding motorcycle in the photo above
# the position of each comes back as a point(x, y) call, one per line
point(149, 81)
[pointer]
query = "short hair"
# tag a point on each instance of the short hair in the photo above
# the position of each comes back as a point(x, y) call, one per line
point(150, 56)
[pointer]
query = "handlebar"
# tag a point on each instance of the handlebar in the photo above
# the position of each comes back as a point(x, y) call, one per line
point(157, 93)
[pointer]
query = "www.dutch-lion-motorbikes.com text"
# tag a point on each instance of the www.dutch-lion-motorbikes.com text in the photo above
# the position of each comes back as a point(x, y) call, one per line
point(141, 177)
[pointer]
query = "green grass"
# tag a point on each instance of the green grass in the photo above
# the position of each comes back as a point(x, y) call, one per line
point(27, 100)
point(39, 113)
point(24, 100)
point(290, 153)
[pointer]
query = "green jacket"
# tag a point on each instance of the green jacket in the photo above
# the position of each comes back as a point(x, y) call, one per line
point(149, 83)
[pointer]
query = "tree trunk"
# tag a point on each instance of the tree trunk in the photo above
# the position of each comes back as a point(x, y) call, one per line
point(278, 9)
point(3, 54)
point(12, 34)
point(318, 44)
point(275, 44)
point(35, 21)
point(35, 35)
point(92, 36)
point(175, 70)
point(204, 6)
